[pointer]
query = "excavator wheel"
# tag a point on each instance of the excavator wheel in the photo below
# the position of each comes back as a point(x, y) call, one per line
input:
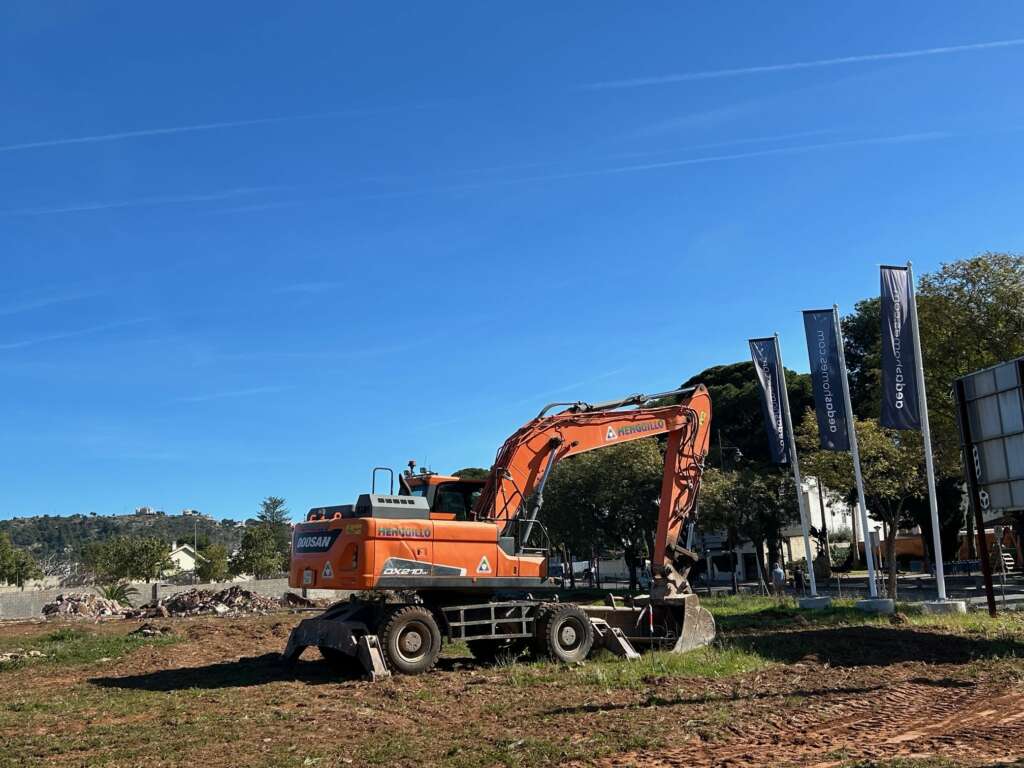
point(564, 633)
point(411, 640)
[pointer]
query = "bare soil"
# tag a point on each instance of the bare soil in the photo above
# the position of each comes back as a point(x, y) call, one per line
point(835, 696)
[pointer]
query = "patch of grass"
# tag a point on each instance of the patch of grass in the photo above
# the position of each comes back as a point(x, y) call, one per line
point(514, 753)
point(740, 613)
point(76, 646)
point(715, 661)
point(455, 650)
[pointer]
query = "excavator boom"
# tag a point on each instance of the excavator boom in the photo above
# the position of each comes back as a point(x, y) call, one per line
point(514, 491)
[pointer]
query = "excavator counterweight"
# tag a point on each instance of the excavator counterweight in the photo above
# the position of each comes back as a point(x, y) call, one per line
point(457, 559)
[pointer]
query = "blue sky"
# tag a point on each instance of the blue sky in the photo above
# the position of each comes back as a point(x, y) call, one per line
point(258, 248)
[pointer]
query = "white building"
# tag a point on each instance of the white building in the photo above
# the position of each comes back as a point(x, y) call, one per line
point(184, 557)
point(835, 515)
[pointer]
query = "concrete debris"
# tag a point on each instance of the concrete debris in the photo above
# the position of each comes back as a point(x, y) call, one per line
point(151, 630)
point(16, 654)
point(292, 600)
point(233, 601)
point(82, 605)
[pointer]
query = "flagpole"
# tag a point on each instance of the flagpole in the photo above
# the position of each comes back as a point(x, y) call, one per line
point(784, 396)
point(869, 556)
point(926, 434)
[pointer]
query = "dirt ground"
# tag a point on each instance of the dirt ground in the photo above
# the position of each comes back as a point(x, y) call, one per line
point(824, 696)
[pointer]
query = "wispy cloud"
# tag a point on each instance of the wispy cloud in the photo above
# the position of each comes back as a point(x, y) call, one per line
point(71, 334)
point(905, 138)
point(41, 302)
point(252, 391)
point(121, 135)
point(200, 127)
point(640, 167)
point(766, 68)
point(141, 202)
point(705, 119)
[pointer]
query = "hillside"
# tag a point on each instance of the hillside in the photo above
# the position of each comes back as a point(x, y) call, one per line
point(61, 537)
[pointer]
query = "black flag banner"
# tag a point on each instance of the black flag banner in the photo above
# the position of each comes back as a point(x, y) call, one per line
point(899, 367)
point(827, 379)
point(766, 366)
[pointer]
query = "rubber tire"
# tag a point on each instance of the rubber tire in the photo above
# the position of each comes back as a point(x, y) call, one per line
point(496, 651)
point(413, 618)
point(551, 637)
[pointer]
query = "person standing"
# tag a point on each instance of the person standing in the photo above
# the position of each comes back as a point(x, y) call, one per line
point(778, 580)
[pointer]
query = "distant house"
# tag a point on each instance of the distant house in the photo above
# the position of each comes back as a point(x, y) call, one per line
point(184, 557)
point(145, 511)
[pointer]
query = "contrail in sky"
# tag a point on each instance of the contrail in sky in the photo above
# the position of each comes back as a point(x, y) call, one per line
point(138, 202)
point(738, 71)
point(71, 334)
point(102, 137)
point(903, 138)
point(896, 139)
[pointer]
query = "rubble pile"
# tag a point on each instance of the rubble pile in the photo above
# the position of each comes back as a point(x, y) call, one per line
point(82, 605)
point(17, 654)
point(233, 601)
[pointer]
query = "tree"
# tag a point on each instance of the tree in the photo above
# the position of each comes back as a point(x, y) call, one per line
point(607, 498)
point(127, 557)
point(213, 565)
point(971, 315)
point(259, 554)
point(892, 468)
point(16, 565)
point(471, 473)
point(275, 517)
point(749, 504)
point(736, 409)
point(862, 337)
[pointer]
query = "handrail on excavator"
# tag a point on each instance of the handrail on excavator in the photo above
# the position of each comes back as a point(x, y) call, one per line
point(582, 407)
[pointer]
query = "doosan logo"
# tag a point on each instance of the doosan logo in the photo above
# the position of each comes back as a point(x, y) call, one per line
point(313, 542)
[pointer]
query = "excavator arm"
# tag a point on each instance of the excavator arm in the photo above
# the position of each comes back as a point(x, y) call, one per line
point(514, 491)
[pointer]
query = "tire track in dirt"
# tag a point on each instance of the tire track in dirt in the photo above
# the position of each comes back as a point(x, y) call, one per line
point(912, 718)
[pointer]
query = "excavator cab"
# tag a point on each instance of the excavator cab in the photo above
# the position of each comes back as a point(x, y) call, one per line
point(448, 497)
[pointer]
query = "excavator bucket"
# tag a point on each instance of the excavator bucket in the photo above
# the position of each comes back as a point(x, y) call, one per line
point(698, 625)
point(678, 624)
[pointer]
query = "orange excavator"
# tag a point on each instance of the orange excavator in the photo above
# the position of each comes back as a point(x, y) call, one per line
point(455, 559)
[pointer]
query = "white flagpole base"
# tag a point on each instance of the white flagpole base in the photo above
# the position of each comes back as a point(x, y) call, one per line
point(815, 603)
point(881, 605)
point(944, 606)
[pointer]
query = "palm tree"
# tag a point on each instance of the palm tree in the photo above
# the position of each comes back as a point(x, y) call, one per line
point(120, 591)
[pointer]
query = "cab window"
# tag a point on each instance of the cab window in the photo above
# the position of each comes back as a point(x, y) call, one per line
point(457, 499)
